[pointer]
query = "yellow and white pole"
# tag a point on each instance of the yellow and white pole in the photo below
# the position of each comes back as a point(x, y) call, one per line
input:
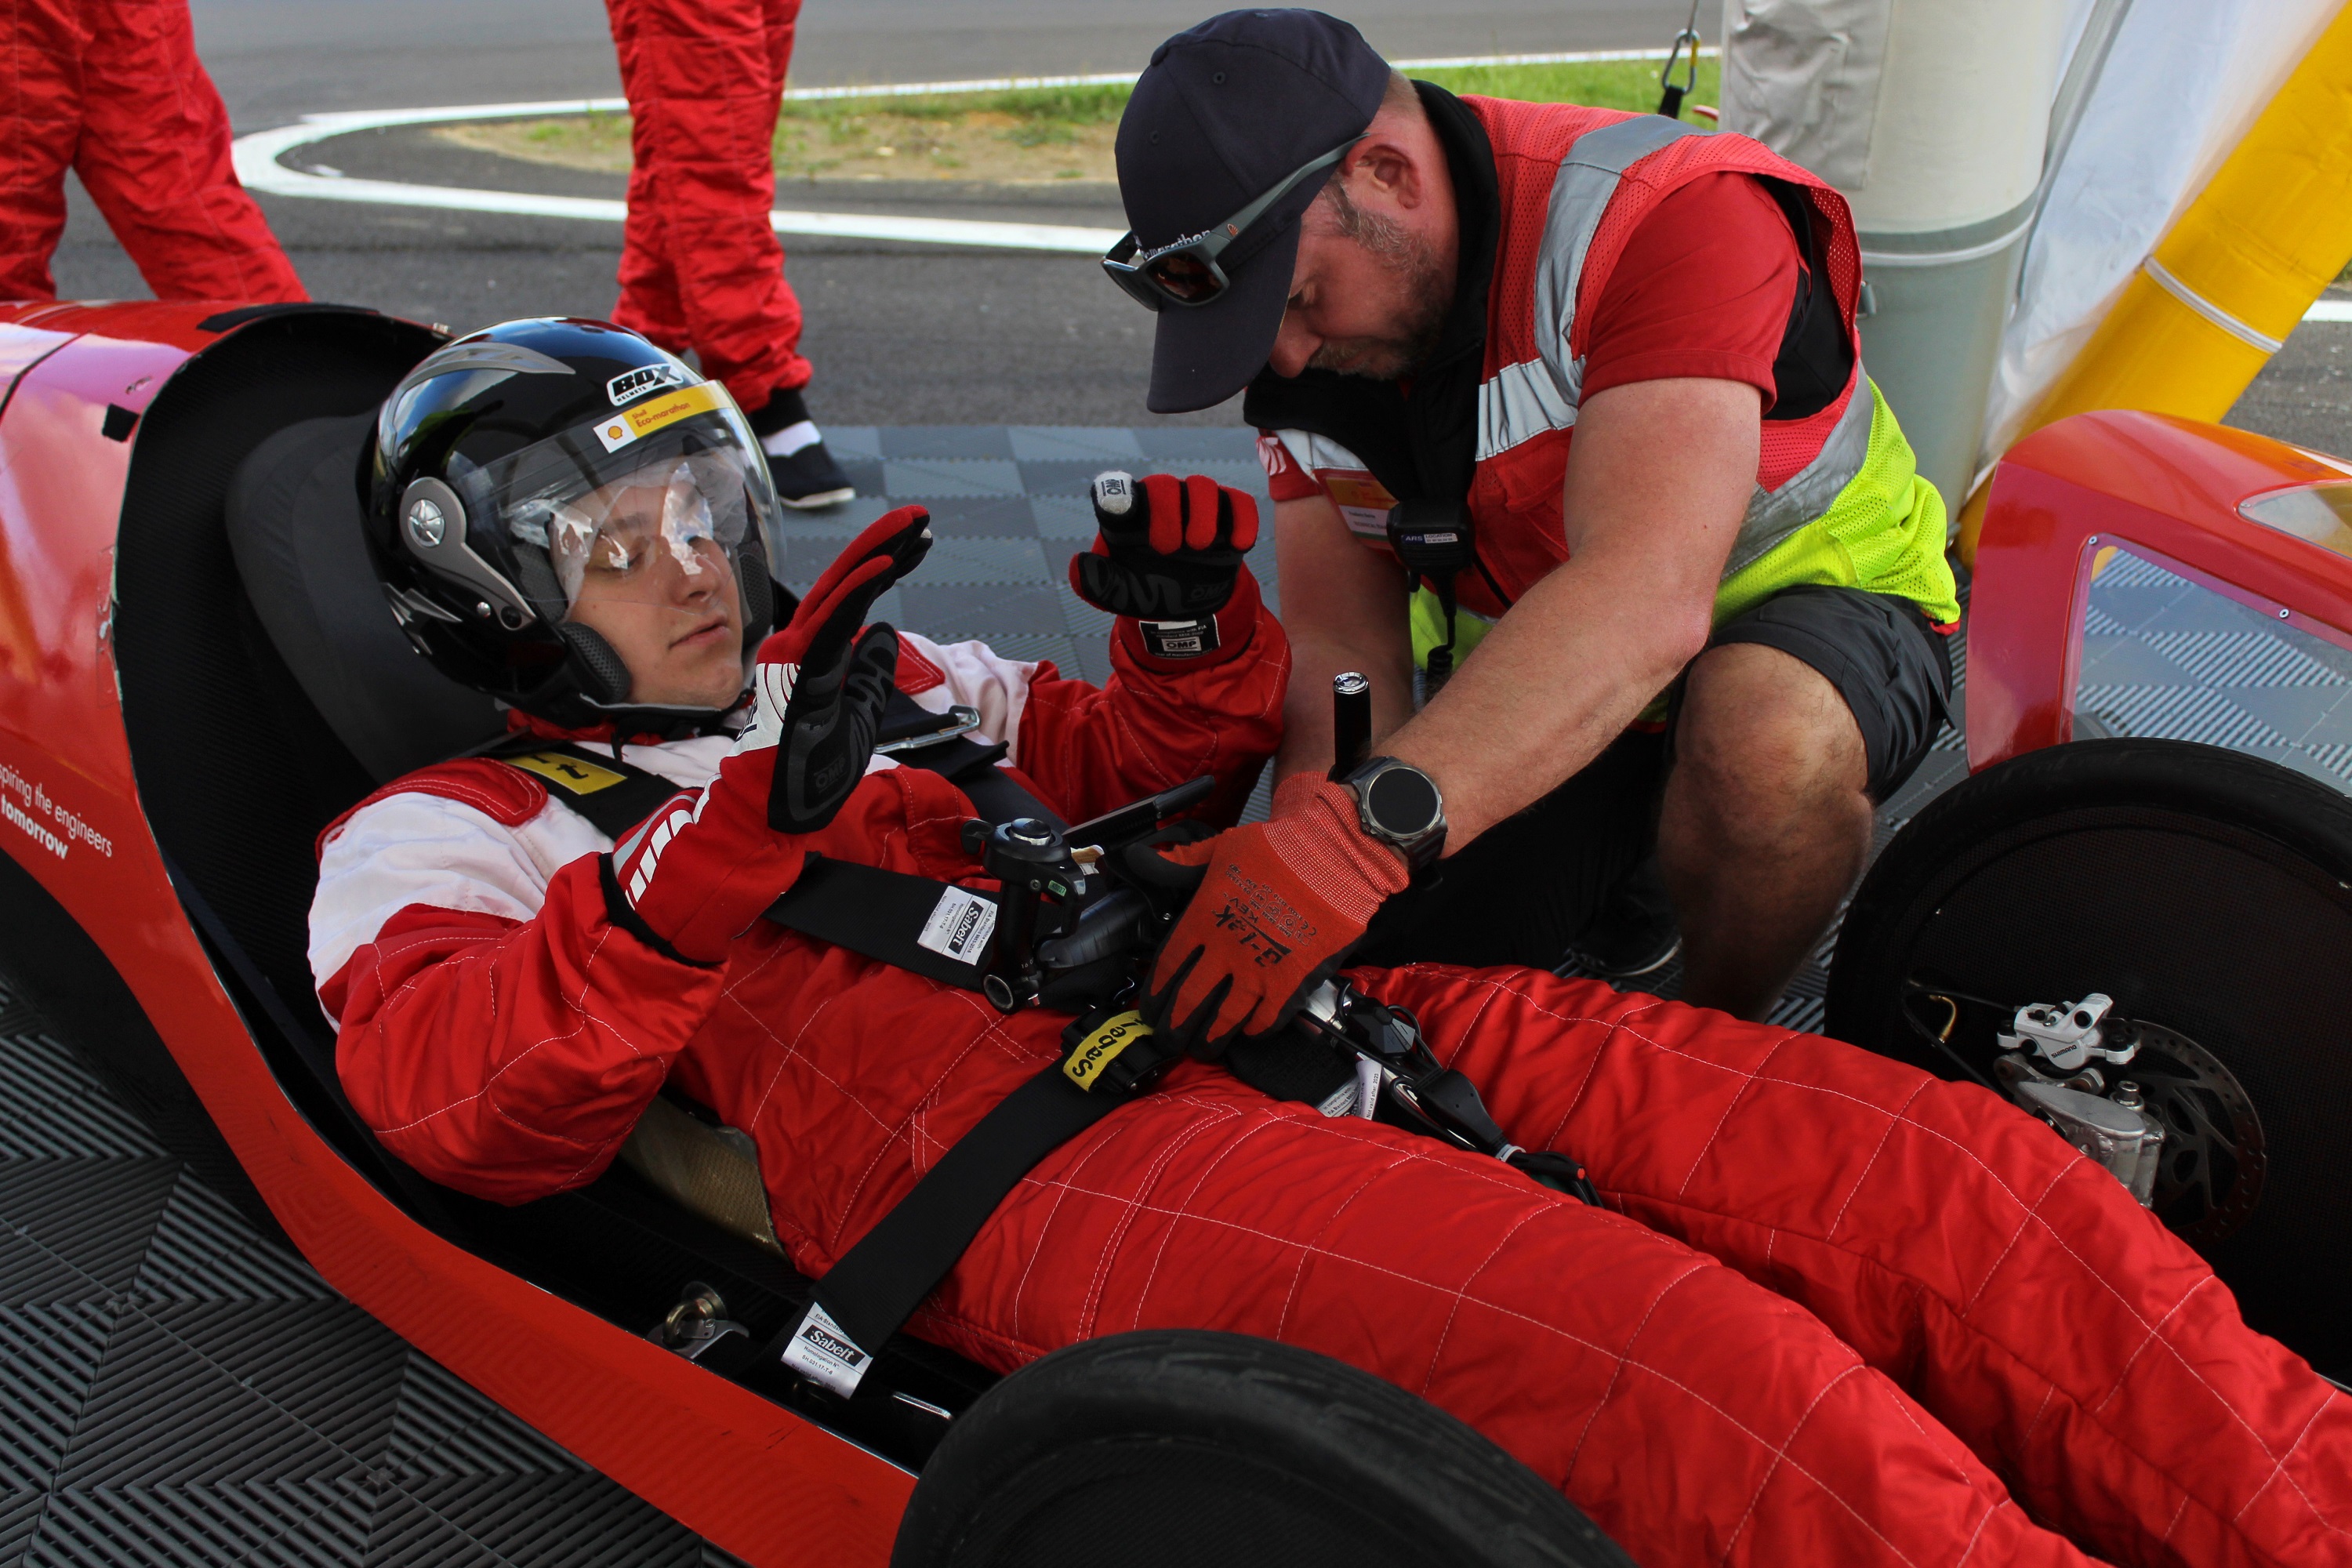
point(2236, 272)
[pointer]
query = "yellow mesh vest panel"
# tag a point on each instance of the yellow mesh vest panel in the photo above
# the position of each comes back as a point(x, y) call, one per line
point(1884, 533)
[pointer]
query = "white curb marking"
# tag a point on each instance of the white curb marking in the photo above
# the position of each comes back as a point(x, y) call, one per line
point(259, 167)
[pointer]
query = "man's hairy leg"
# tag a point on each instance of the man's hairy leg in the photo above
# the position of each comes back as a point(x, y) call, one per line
point(1765, 821)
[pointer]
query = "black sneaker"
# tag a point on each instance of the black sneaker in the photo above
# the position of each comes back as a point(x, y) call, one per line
point(806, 474)
point(809, 478)
point(1634, 935)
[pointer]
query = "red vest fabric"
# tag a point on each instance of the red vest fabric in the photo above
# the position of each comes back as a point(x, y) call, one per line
point(1568, 202)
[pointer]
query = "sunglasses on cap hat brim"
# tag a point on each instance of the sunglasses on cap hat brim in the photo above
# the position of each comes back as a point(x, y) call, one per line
point(1186, 272)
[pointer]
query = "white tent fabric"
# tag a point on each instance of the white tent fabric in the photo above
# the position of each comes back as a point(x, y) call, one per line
point(2183, 82)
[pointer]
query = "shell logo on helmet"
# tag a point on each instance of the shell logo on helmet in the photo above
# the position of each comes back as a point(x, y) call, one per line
point(620, 431)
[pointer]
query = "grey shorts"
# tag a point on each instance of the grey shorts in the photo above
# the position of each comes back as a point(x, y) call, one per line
point(1532, 883)
point(1881, 653)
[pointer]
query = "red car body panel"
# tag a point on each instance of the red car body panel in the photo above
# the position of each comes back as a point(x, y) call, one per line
point(2163, 488)
point(752, 1477)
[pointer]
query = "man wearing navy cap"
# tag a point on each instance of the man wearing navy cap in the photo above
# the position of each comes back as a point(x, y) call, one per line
point(1565, 407)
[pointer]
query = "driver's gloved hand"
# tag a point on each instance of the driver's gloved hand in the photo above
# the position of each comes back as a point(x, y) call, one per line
point(826, 681)
point(1280, 904)
point(704, 866)
point(1168, 548)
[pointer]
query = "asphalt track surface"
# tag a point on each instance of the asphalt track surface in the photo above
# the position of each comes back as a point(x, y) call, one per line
point(277, 59)
point(901, 334)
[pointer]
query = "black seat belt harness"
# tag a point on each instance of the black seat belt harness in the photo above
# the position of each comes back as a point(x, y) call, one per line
point(1108, 1056)
point(1065, 931)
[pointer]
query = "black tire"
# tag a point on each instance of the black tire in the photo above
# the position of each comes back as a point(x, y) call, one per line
point(1173, 1448)
point(2206, 891)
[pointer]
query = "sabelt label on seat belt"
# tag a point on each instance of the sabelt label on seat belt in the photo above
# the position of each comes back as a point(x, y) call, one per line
point(960, 925)
point(1100, 1049)
point(820, 1352)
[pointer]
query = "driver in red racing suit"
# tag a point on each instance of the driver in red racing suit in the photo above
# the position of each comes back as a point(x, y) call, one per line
point(1831, 1311)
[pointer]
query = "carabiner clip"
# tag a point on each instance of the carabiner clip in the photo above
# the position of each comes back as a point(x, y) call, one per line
point(1670, 99)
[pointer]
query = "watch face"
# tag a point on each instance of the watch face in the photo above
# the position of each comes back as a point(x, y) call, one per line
point(1402, 801)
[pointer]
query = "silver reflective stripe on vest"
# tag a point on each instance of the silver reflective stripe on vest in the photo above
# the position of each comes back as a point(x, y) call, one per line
point(1774, 515)
point(1524, 400)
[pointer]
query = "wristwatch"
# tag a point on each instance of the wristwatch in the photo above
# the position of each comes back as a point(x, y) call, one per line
point(1400, 805)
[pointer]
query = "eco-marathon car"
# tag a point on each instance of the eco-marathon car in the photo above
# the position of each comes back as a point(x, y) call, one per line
point(2140, 941)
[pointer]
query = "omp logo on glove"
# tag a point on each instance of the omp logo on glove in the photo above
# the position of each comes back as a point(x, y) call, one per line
point(1261, 921)
point(1100, 1049)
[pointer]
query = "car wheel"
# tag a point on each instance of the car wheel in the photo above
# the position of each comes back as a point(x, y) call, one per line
point(2207, 892)
point(1185, 1447)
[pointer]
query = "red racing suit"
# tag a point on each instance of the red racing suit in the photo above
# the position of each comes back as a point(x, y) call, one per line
point(1835, 1311)
point(700, 267)
point(112, 90)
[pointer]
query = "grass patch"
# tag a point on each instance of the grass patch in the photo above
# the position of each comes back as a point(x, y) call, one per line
point(1026, 136)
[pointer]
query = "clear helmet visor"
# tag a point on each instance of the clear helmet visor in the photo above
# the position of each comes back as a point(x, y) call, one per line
point(605, 512)
point(670, 528)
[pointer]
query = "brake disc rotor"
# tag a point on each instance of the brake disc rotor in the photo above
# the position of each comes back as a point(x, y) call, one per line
point(2212, 1174)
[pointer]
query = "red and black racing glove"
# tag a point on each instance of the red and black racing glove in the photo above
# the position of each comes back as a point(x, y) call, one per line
point(699, 872)
point(1280, 904)
point(829, 682)
point(1167, 555)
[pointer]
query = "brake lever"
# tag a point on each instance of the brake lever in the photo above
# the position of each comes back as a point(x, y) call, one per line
point(1115, 830)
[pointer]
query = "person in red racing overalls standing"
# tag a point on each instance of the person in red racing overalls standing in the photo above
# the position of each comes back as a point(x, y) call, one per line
point(112, 90)
point(1942, 1336)
point(700, 267)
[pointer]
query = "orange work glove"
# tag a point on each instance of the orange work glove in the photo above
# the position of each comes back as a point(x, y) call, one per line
point(1280, 904)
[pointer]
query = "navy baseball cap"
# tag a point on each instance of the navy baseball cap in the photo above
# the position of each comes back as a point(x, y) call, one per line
point(1225, 112)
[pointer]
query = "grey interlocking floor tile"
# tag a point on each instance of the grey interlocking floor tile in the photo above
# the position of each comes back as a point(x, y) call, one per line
point(174, 1389)
point(865, 473)
point(319, 1523)
point(442, 1428)
point(982, 517)
point(923, 479)
point(2298, 712)
point(1064, 517)
point(946, 441)
point(853, 441)
point(20, 1515)
point(204, 1250)
point(49, 1356)
point(1175, 443)
point(75, 1230)
point(1111, 447)
point(2130, 660)
point(1060, 476)
point(51, 1107)
point(984, 559)
point(945, 612)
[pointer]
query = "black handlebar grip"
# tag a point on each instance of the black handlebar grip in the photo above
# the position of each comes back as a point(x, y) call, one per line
point(1351, 722)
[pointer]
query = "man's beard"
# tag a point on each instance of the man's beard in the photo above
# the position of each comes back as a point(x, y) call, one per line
point(1428, 291)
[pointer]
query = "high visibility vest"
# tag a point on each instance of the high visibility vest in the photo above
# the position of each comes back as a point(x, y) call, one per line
point(1838, 498)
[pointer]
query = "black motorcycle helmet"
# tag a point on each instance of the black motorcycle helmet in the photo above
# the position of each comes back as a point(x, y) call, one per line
point(490, 488)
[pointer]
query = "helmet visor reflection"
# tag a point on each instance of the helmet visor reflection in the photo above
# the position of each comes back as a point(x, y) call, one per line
point(652, 532)
point(660, 519)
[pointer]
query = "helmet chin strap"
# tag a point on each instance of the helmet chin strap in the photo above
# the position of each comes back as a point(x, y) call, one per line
point(671, 721)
